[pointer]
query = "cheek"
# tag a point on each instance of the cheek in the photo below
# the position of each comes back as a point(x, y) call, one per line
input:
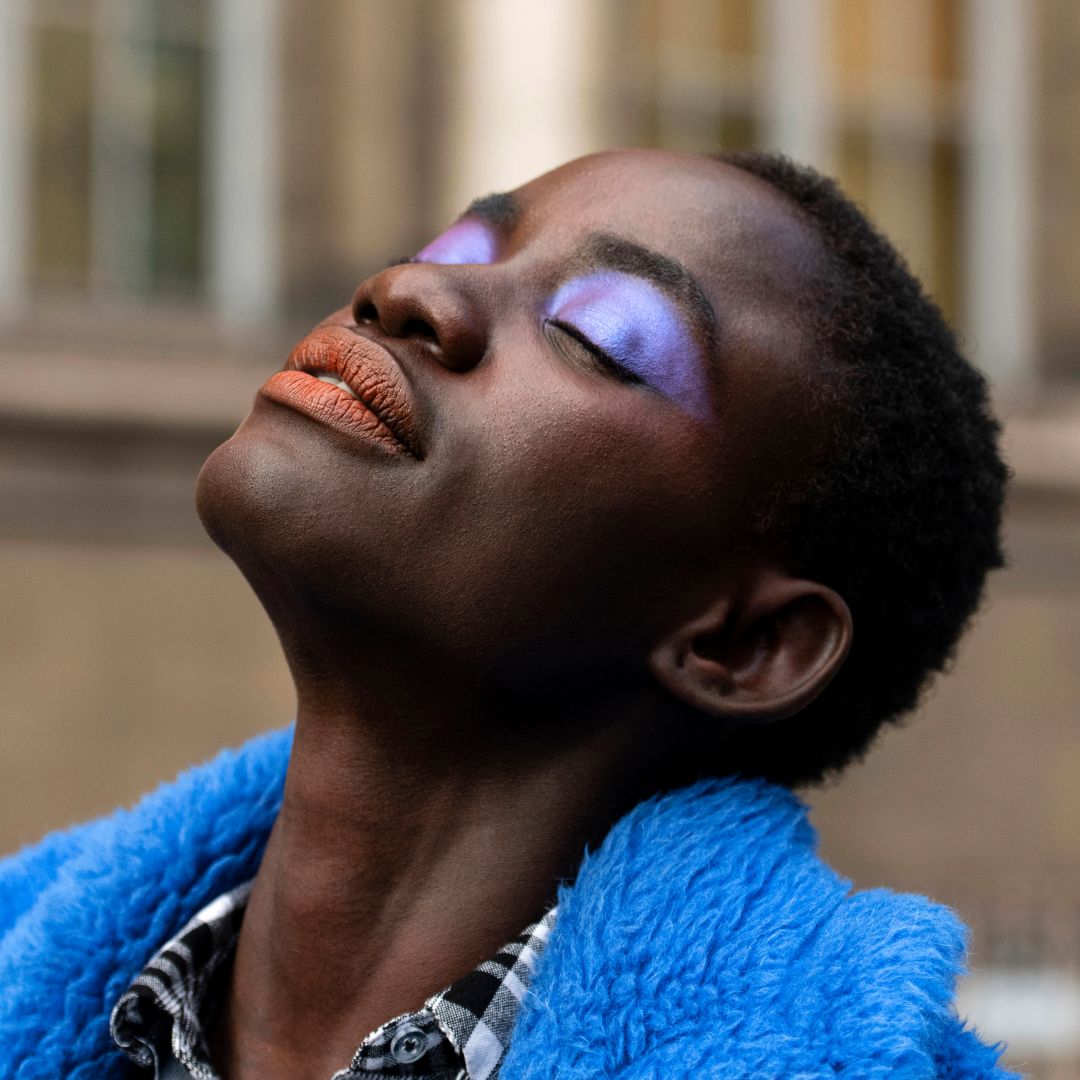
point(603, 502)
point(594, 536)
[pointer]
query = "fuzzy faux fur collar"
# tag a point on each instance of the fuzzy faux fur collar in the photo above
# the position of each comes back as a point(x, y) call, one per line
point(704, 938)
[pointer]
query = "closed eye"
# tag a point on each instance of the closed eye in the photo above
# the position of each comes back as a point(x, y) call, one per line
point(622, 373)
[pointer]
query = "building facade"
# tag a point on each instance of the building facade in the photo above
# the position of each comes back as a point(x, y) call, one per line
point(185, 185)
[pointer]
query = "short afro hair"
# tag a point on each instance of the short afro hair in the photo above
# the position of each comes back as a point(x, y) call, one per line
point(902, 513)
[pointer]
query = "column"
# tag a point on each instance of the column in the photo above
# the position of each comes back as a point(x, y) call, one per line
point(999, 220)
point(244, 241)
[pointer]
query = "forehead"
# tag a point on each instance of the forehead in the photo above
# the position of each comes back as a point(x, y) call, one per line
point(746, 247)
point(753, 258)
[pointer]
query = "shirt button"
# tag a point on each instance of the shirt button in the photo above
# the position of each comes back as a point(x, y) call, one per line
point(409, 1044)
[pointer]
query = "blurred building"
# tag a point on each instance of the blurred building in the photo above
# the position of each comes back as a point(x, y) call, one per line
point(184, 185)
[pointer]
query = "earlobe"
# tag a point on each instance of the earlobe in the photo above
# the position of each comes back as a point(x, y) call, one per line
point(759, 660)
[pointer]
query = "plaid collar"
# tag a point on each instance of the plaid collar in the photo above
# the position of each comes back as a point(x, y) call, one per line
point(460, 1033)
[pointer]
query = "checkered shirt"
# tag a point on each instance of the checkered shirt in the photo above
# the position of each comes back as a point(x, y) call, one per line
point(460, 1033)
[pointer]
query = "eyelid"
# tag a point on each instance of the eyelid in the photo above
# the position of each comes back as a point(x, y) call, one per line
point(622, 372)
point(468, 241)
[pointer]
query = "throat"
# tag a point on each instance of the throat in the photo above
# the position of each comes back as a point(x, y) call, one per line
point(411, 846)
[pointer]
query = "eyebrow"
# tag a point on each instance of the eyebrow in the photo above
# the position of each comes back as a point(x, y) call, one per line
point(607, 251)
point(502, 211)
point(499, 209)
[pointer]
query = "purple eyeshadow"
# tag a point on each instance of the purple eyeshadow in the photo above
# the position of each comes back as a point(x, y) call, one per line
point(636, 323)
point(466, 241)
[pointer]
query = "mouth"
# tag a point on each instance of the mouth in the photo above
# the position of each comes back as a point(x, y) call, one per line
point(333, 380)
point(348, 381)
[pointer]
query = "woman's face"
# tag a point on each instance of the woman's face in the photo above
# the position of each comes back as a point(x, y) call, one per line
point(568, 399)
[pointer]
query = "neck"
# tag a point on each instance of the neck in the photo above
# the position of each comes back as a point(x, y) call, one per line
point(421, 829)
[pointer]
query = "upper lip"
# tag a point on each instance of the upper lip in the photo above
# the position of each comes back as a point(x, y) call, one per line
point(369, 370)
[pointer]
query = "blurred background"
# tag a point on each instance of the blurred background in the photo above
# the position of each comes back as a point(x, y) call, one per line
point(185, 185)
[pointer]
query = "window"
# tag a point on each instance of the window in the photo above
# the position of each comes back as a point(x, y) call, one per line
point(920, 109)
point(116, 135)
point(142, 160)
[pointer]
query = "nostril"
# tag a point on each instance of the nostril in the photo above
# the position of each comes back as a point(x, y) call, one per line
point(366, 313)
point(417, 328)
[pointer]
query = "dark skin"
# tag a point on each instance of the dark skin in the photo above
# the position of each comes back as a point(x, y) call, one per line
point(502, 644)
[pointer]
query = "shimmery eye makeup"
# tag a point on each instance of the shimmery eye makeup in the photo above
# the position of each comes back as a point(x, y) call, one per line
point(636, 324)
point(466, 241)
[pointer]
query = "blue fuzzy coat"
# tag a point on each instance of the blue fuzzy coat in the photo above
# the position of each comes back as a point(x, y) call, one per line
point(704, 938)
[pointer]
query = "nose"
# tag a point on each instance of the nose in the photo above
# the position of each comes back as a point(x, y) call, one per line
point(439, 306)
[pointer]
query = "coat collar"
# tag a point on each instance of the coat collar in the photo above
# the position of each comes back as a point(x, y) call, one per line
point(703, 937)
point(706, 938)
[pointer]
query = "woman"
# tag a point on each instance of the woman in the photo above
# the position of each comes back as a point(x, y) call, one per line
point(658, 471)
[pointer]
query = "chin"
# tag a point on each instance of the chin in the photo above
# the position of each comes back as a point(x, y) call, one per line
point(266, 499)
point(246, 493)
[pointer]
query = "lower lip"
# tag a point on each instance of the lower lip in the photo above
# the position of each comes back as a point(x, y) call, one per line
point(331, 406)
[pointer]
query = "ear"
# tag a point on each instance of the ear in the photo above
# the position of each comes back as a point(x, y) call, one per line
point(761, 658)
